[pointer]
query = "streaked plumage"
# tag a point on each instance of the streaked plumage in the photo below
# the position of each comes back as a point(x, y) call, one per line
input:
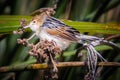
point(50, 28)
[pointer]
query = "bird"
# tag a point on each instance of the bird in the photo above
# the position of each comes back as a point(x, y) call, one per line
point(49, 28)
point(46, 27)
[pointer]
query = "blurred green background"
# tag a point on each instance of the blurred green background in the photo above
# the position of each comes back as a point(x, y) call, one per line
point(100, 11)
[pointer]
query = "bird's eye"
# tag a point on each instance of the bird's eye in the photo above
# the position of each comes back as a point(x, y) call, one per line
point(34, 21)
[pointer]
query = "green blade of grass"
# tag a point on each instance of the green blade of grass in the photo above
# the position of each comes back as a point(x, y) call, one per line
point(10, 23)
point(108, 28)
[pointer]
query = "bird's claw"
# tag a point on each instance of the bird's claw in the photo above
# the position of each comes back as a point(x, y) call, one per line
point(55, 69)
point(23, 41)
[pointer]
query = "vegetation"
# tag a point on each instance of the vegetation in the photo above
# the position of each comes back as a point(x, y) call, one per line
point(94, 17)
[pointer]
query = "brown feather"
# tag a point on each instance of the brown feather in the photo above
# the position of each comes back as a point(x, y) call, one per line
point(62, 33)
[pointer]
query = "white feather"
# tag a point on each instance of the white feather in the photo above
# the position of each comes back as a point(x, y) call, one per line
point(43, 35)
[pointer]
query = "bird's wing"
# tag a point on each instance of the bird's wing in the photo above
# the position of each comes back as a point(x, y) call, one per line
point(57, 28)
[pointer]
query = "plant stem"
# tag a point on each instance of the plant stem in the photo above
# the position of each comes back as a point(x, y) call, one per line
point(21, 67)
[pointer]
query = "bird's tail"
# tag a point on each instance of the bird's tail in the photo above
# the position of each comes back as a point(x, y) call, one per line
point(89, 42)
point(87, 38)
point(95, 41)
point(105, 42)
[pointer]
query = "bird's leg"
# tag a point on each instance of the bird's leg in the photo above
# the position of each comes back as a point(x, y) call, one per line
point(55, 69)
point(31, 37)
point(26, 41)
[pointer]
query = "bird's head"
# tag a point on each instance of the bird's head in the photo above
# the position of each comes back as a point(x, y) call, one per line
point(36, 23)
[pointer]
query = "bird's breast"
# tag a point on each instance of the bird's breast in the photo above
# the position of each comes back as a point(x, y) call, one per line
point(61, 43)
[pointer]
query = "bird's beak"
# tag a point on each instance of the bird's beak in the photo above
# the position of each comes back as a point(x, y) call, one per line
point(26, 27)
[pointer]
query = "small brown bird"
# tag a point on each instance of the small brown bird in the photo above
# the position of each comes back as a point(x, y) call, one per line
point(49, 28)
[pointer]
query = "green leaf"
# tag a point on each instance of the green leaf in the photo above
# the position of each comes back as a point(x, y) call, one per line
point(10, 23)
point(109, 28)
